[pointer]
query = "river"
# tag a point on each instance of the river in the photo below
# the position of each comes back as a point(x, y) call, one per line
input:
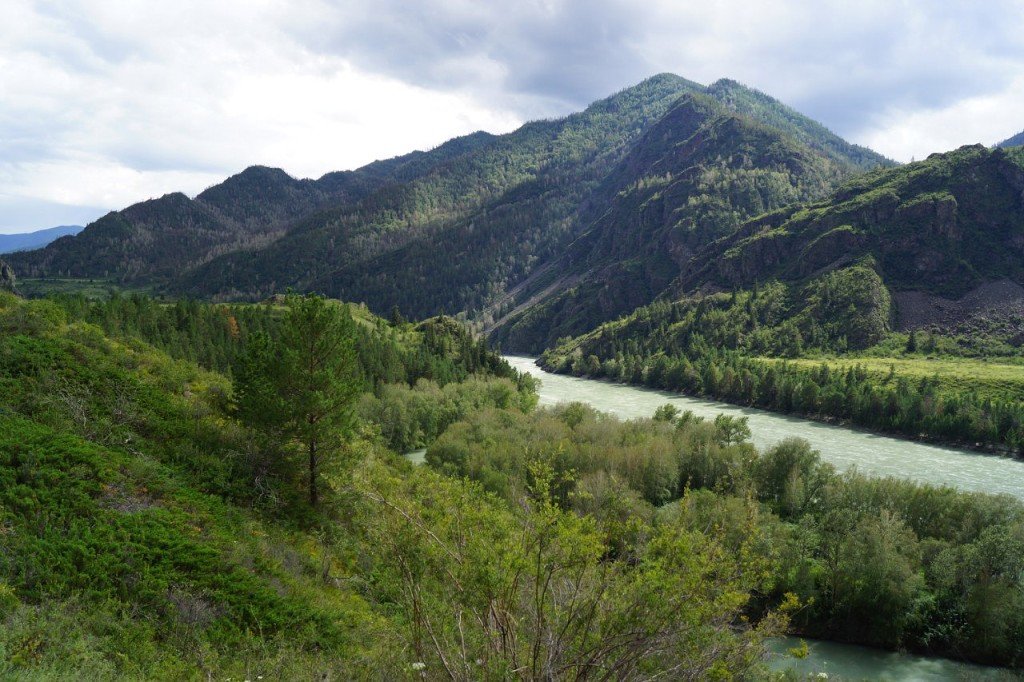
point(845, 448)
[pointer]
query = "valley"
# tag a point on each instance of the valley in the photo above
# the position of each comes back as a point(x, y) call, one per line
point(685, 375)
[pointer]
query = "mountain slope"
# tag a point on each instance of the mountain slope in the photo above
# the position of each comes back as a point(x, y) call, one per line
point(942, 226)
point(1015, 141)
point(768, 110)
point(694, 176)
point(35, 240)
point(937, 244)
point(483, 224)
point(464, 236)
point(516, 195)
point(154, 241)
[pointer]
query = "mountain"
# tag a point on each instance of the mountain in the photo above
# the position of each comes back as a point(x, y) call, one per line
point(33, 240)
point(466, 236)
point(489, 225)
point(938, 243)
point(1015, 141)
point(157, 240)
point(449, 238)
point(710, 163)
point(942, 227)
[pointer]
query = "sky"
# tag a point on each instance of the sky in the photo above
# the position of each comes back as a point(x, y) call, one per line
point(105, 102)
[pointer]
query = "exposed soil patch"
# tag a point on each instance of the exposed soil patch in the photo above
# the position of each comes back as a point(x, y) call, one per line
point(918, 309)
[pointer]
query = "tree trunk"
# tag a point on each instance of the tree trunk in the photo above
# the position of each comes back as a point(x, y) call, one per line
point(313, 496)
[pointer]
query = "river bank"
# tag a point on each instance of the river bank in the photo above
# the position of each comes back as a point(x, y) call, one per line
point(844, 447)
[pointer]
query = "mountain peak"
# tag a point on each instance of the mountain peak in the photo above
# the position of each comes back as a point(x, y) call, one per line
point(648, 90)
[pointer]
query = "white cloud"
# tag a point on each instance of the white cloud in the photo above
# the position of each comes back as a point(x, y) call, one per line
point(107, 102)
point(986, 119)
point(132, 105)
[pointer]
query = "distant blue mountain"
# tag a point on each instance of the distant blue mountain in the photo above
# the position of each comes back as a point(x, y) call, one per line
point(35, 240)
point(1014, 141)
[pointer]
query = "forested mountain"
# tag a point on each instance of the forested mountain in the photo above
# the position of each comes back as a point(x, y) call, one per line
point(445, 239)
point(465, 235)
point(481, 223)
point(34, 240)
point(155, 241)
point(692, 178)
point(921, 261)
point(941, 226)
point(933, 242)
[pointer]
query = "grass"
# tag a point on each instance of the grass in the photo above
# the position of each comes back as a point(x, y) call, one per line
point(90, 288)
point(1002, 379)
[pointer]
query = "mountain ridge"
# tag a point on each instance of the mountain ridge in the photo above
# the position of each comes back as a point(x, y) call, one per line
point(666, 201)
point(474, 224)
point(23, 241)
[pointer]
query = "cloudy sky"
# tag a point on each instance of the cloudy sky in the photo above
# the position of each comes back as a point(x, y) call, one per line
point(104, 103)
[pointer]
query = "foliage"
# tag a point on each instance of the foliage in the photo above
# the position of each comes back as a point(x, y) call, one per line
point(879, 561)
point(135, 543)
point(412, 417)
point(216, 336)
point(530, 595)
point(304, 386)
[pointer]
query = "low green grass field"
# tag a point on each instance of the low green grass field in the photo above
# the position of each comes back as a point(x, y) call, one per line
point(90, 288)
point(1001, 378)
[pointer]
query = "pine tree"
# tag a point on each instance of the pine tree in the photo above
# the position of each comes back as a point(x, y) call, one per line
point(304, 385)
point(912, 341)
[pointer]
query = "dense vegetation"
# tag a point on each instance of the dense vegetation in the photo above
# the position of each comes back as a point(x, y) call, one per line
point(942, 226)
point(217, 336)
point(150, 528)
point(692, 178)
point(462, 227)
point(878, 561)
point(879, 255)
point(735, 347)
point(457, 236)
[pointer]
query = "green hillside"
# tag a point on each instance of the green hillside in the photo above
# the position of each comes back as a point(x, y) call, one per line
point(694, 177)
point(153, 242)
point(943, 225)
point(480, 224)
point(453, 237)
point(845, 287)
point(153, 527)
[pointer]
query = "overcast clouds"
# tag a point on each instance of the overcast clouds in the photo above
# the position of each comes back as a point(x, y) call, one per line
point(104, 103)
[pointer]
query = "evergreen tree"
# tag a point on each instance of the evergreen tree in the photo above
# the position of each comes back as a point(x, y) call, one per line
point(912, 341)
point(306, 384)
